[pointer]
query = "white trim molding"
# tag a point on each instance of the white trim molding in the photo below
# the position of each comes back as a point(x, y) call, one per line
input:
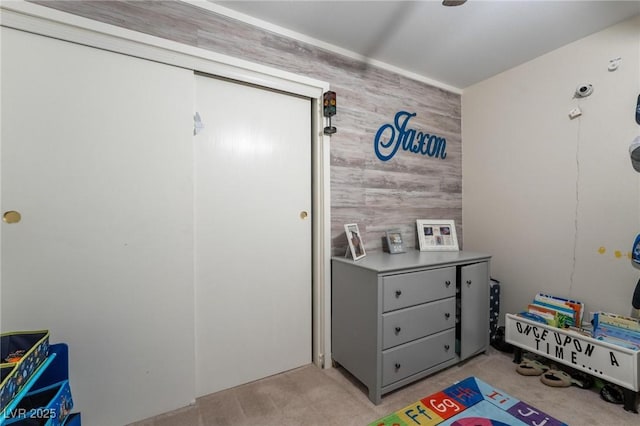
point(21, 15)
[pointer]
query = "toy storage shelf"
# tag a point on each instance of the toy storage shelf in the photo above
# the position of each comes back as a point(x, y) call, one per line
point(612, 363)
point(54, 369)
point(27, 387)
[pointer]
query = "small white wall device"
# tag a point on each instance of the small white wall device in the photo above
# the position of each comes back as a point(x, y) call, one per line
point(575, 112)
point(584, 90)
point(614, 64)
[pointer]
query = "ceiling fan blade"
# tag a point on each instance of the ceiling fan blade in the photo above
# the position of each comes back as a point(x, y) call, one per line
point(453, 2)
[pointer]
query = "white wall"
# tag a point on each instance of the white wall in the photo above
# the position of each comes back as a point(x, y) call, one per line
point(543, 193)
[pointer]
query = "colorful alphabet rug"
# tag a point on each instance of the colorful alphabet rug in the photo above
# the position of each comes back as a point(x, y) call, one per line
point(470, 402)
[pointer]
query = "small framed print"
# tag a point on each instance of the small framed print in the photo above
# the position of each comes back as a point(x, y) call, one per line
point(356, 245)
point(395, 243)
point(437, 235)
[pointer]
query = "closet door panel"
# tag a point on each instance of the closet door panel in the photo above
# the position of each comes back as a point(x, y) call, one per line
point(97, 157)
point(253, 240)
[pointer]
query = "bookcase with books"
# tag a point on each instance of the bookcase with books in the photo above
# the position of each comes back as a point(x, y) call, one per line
point(554, 328)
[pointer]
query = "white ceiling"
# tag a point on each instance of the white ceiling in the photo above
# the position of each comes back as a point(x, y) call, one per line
point(453, 46)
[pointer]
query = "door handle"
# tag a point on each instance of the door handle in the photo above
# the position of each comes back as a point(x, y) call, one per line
point(303, 214)
point(11, 216)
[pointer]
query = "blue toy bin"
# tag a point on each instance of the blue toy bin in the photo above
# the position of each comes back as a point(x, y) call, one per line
point(21, 353)
point(48, 406)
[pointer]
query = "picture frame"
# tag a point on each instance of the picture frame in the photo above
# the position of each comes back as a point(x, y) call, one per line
point(437, 235)
point(394, 241)
point(356, 244)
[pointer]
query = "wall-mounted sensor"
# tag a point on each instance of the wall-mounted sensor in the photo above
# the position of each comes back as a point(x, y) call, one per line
point(574, 113)
point(584, 90)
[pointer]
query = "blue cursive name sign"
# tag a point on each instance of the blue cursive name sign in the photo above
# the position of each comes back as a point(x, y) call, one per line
point(400, 135)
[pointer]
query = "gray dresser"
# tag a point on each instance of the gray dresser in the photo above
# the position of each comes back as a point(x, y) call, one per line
point(398, 318)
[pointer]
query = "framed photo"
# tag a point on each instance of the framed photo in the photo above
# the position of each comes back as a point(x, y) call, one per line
point(356, 245)
point(394, 241)
point(437, 235)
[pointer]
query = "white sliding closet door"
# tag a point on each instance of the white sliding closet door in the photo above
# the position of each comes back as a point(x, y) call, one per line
point(97, 157)
point(253, 239)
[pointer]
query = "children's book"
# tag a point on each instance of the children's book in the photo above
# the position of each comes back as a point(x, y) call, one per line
point(554, 317)
point(621, 321)
point(545, 313)
point(533, 317)
point(615, 341)
point(576, 307)
point(616, 329)
point(612, 335)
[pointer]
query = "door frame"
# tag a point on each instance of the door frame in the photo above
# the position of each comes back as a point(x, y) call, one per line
point(64, 26)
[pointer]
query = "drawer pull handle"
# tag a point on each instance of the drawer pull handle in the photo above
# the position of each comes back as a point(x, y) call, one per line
point(447, 315)
point(447, 283)
point(468, 282)
point(397, 366)
point(398, 330)
point(446, 348)
point(398, 293)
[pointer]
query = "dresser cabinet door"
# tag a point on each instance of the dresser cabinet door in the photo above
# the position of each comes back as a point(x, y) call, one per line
point(474, 314)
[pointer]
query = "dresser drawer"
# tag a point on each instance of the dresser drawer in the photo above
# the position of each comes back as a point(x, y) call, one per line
point(412, 358)
point(403, 290)
point(412, 323)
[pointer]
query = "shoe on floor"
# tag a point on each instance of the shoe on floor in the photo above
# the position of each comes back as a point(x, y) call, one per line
point(556, 378)
point(612, 393)
point(582, 380)
point(531, 368)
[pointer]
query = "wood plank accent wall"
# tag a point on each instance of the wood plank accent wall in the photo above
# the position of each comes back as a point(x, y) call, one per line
point(377, 195)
